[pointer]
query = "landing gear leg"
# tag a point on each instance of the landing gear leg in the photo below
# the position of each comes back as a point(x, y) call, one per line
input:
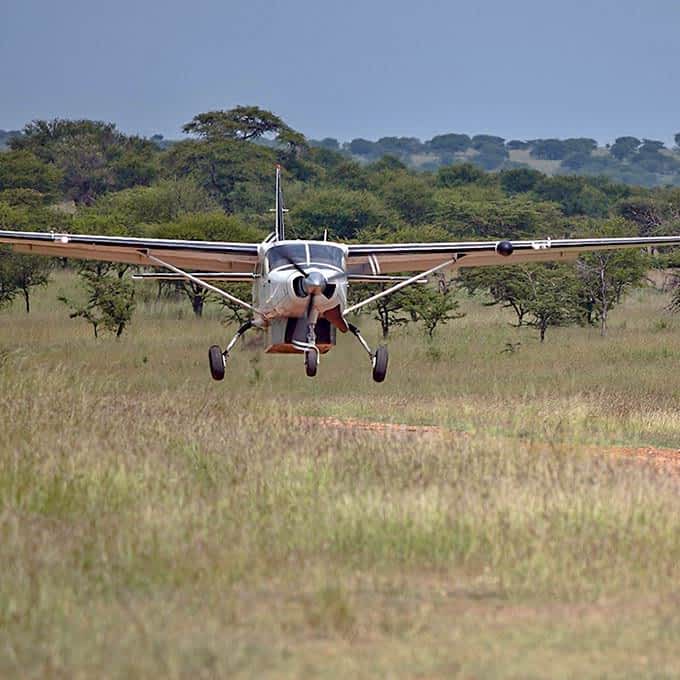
point(218, 358)
point(312, 354)
point(378, 358)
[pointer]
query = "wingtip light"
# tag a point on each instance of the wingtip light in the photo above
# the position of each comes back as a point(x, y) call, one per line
point(505, 248)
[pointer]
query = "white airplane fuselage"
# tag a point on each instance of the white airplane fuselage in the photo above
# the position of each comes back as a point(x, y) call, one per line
point(298, 284)
point(277, 292)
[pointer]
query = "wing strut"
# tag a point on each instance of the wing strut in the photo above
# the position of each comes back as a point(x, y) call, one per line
point(402, 284)
point(203, 284)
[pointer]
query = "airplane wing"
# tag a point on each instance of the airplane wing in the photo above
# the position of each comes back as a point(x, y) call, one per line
point(195, 255)
point(386, 258)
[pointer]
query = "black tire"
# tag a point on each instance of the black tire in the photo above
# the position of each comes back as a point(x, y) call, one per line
point(311, 363)
point(380, 363)
point(217, 362)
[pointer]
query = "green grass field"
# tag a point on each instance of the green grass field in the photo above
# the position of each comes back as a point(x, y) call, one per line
point(154, 523)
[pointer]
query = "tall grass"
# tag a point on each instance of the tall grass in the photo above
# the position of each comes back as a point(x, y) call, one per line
point(155, 523)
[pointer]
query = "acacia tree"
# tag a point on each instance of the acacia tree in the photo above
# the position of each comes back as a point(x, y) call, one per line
point(24, 170)
point(420, 303)
point(235, 313)
point(552, 296)
point(226, 169)
point(221, 160)
point(213, 226)
point(110, 298)
point(433, 305)
point(29, 271)
point(241, 123)
point(8, 289)
point(504, 285)
point(605, 276)
point(390, 311)
point(89, 157)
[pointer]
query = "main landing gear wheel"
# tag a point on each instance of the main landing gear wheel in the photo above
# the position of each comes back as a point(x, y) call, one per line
point(311, 363)
point(380, 363)
point(217, 362)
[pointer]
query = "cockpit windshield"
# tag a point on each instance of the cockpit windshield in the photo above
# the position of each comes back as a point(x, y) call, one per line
point(319, 253)
point(278, 256)
point(326, 254)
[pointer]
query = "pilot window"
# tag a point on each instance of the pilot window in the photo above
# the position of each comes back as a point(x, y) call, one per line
point(279, 256)
point(322, 254)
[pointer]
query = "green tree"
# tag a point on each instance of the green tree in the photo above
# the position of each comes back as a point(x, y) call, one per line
point(490, 156)
point(206, 227)
point(363, 147)
point(240, 123)
point(576, 195)
point(8, 289)
point(497, 217)
point(343, 213)
point(387, 164)
point(605, 275)
point(92, 157)
point(624, 147)
point(505, 286)
point(480, 141)
point(328, 143)
point(541, 295)
point(519, 180)
point(449, 143)
point(411, 196)
point(433, 306)
point(235, 313)
point(163, 202)
point(390, 311)
point(24, 170)
point(236, 174)
point(110, 299)
point(552, 296)
point(459, 175)
point(548, 149)
point(27, 272)
point(350, 175)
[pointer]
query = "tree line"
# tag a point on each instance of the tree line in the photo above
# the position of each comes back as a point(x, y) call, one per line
point(87, 176)
point(644, 162)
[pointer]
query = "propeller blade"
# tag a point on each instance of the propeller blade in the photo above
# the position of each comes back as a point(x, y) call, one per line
point(297, 266)
point(284, 254)
point(310, 305)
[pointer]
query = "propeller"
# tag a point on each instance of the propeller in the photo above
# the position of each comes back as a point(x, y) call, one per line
point(314, 283)
point(295, 264)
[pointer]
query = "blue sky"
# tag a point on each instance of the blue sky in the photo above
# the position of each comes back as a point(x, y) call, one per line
point(521, 69)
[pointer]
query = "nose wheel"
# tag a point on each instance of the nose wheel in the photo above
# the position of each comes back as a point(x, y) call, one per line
point(310, 350)
point(311, 363)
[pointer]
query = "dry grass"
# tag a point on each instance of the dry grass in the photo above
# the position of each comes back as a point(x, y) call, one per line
point(153, 523)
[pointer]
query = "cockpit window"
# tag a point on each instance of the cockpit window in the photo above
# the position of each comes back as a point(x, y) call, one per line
point(322, 254)
point(279, 256)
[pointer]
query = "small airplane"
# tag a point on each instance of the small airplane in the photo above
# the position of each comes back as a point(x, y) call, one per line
point(300, 286)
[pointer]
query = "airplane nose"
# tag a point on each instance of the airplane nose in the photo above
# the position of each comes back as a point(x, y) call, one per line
point(314, 283)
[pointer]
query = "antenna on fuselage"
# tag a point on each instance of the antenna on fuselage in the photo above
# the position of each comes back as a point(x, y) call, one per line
point(280, 208)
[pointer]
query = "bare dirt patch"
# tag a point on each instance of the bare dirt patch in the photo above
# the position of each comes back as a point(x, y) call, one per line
point(663, 460)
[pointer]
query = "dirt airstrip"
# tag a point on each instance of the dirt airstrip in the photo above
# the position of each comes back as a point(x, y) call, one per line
point(663, 460)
